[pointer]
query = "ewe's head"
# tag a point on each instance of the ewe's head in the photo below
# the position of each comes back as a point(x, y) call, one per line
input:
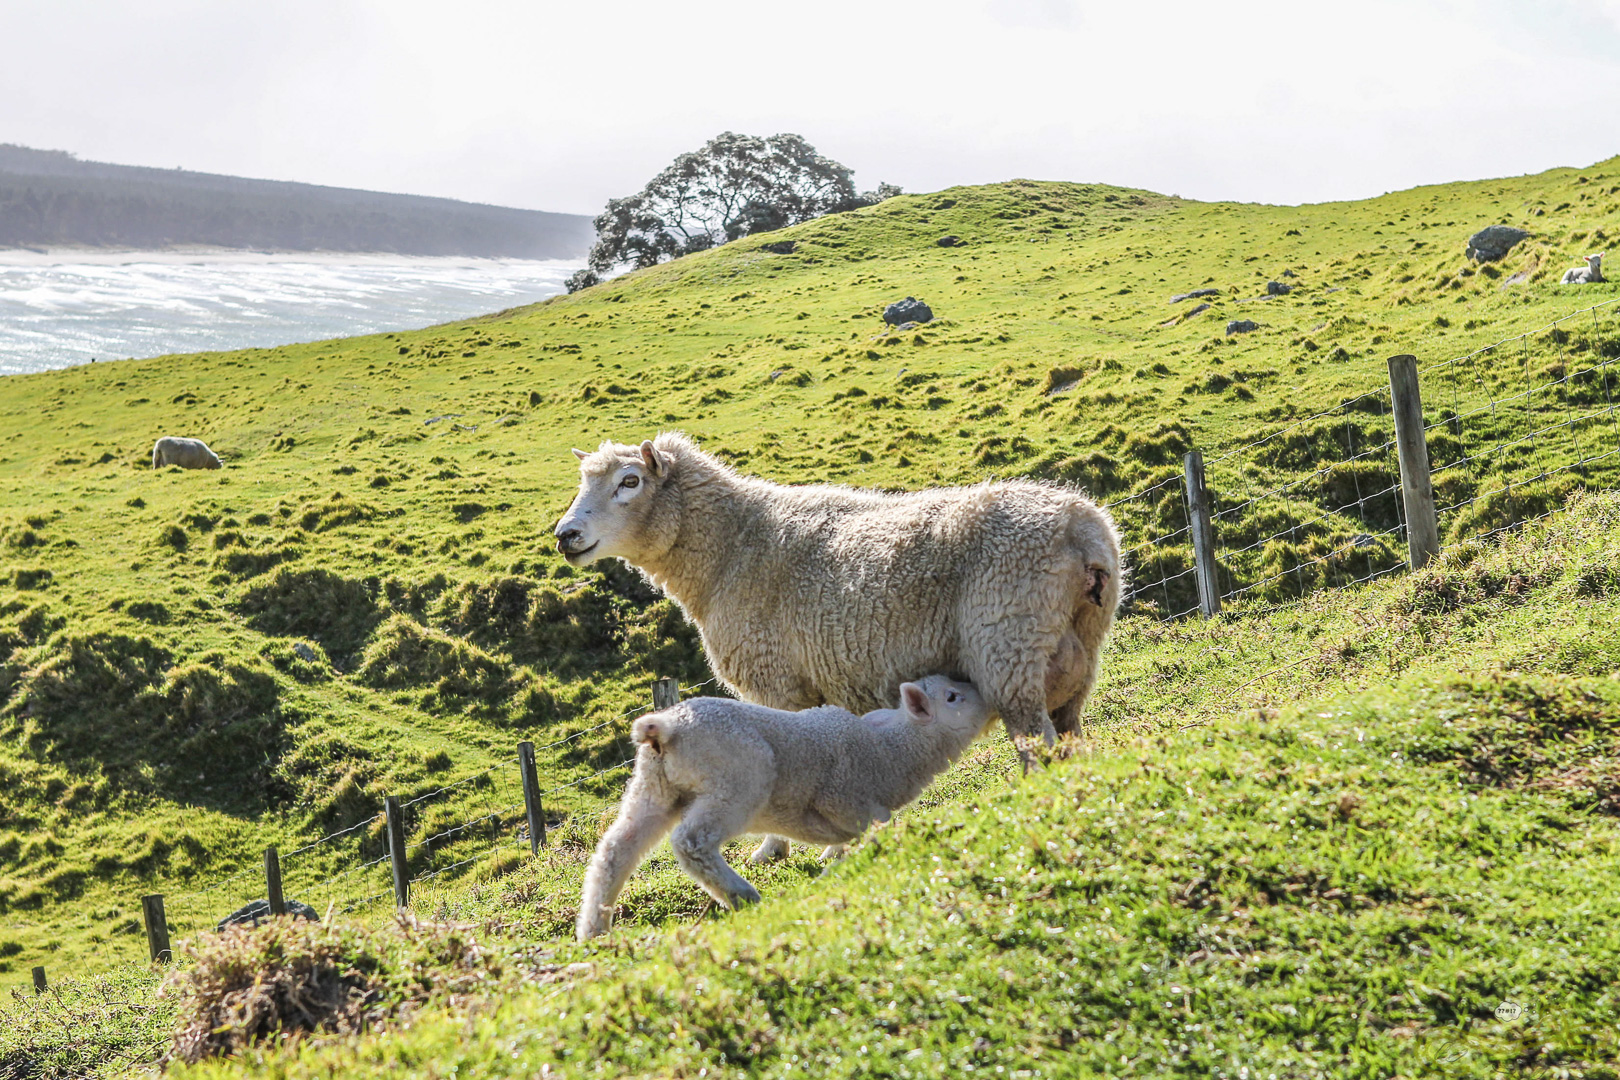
point(618, 511)
point(955, 707)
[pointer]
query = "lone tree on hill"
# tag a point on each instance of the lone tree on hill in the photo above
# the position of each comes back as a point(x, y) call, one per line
point(737, 185)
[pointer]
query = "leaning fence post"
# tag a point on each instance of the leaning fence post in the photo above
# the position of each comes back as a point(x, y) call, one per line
point(531, 798)
point(1203, 536)
point(1417, 493)
point(272, 881)
point(666, 694)
point(396, 851)
point(157, 928)
point(39, 979)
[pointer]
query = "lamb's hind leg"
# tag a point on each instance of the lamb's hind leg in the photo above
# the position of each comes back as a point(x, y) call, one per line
point(771, 849)
point(644, 817)
point(708, 823)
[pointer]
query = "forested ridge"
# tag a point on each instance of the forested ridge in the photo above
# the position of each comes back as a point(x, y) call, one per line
point(52, 198)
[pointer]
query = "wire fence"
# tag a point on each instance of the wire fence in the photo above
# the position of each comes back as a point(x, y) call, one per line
point(1317, 502)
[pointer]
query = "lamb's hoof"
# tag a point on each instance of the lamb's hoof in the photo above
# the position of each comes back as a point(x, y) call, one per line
point(772, 849)
point(833, 852)
point(742, 899)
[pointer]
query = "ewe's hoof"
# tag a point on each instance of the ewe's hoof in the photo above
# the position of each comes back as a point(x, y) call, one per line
point(833, 852)
point(774, 849)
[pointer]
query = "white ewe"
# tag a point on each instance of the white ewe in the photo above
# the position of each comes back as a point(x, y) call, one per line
point(824, 594)
point(722, 768)
point(1590, 274)
point(186, 453)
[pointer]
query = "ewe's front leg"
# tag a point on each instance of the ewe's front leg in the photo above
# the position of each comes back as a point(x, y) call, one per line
point(708, 823)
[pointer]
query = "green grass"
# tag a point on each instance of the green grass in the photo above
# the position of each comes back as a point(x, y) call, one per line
point(1342, 872)
point(365, 601)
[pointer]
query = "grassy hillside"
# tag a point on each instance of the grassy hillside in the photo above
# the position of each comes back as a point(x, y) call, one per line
point(1339, 870)
point(365, 600)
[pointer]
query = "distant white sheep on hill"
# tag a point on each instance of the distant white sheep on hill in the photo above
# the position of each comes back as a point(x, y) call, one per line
point(825, 594)
point(186, 453)
point(1590, 274)
point(721, 768)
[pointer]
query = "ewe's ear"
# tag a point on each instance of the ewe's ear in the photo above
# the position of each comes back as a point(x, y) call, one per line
point(582, 455)
point(654, 461)
point(916, 703)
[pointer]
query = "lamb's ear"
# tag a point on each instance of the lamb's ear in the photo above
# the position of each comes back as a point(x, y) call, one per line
point(654, 461)
point(582, 455)
point(916, 703)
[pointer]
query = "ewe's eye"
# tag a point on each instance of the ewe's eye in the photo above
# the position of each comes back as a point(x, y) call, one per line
point(630, 482)
point(950, 696)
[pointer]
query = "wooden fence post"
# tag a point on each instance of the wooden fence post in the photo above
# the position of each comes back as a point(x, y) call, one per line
point(272, 881)
point(666, 693)
point(531, 798)
point(39, 979)
point(396, 851)
point(1417, 493)
point(1203, 536)
point(157, 928)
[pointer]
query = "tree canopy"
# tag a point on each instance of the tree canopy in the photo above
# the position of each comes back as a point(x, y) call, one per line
point(736, 185)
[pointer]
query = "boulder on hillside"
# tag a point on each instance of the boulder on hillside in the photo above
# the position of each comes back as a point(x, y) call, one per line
point(260, 909)
point(949, 241)
point(1195, 294)
point(1200, 309)
point(1493, 242)
point(1241, 326)
point(1277, 288)
point(909, 310)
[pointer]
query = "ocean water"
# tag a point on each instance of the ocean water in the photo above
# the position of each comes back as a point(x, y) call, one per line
point(64, 308)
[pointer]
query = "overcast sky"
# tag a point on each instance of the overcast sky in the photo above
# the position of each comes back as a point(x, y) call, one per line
point(560, 106)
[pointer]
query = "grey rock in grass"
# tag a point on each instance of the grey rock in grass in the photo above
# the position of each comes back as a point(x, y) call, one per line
point(909, 310)
point(1241, 326)
point(1195, 294)
point(949, 241)
point(1493, 242)
point(260, 909)
point(1200, 309)
point(1277, 288)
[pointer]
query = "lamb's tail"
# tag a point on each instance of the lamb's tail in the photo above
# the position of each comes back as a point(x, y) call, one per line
point(655, 731)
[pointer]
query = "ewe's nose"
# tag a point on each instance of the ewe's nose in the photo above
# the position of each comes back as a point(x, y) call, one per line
point(567, 539)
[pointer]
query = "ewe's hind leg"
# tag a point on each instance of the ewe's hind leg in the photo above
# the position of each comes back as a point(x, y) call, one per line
point(644, 818)
point(708, 823)
point(1066, 718)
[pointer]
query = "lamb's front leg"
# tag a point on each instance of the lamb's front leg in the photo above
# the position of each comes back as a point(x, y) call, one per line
point(708, 823)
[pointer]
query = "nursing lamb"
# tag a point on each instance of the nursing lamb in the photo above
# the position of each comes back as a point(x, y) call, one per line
point(722, 768)
point(826, 594)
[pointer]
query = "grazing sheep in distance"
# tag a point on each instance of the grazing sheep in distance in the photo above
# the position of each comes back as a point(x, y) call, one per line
point(721, 768)
point(828, 594)
point(1590, 274)
point(186, 453)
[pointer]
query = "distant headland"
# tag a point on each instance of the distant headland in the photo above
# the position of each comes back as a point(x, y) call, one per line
point(50, 198)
